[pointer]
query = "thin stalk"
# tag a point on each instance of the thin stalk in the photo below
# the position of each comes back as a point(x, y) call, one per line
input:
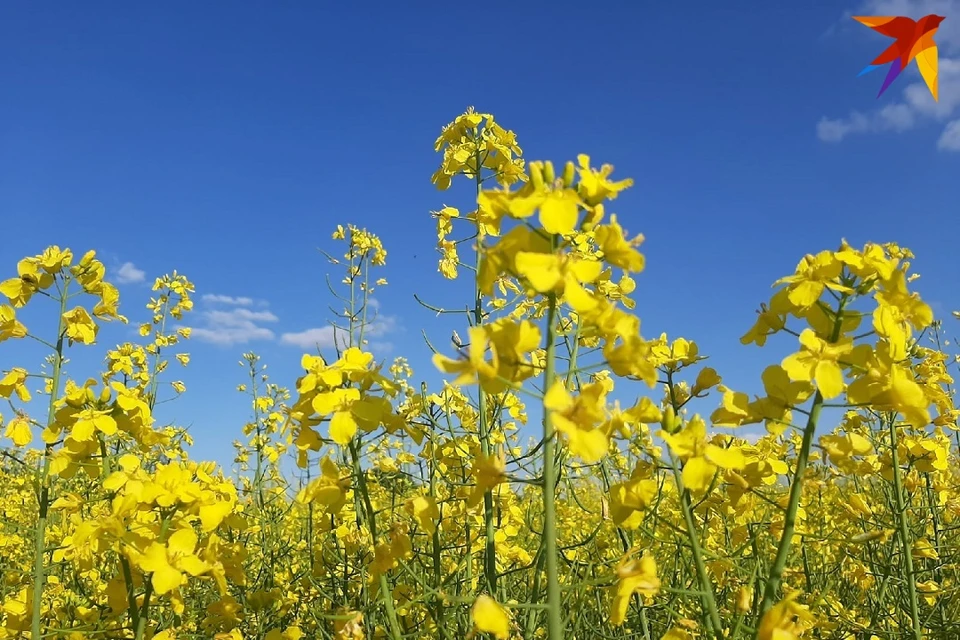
point(490, 545)
point(43, 484)
point(904, 533)
point(385, 591)
point(796, 487)
point(707, 598)
point(144, 616)
point(554, 612)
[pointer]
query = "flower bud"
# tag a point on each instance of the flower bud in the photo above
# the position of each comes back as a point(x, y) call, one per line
point(670, 421)
point(536, 174)
point(569, 171)
point(548, 173)
point(744, 599)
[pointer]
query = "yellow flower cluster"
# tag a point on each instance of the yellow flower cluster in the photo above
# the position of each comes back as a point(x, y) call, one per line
point(567, 477)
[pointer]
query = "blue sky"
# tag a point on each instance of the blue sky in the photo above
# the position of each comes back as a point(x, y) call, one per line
point(226, 140)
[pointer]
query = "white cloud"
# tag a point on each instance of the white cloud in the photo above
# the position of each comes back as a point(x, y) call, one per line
point(128, 273)
point(892, 117)
point(234, 326)
point(228, 320)
point(217, 298)
point(950, 138)
point(917, 105)
point(323, 337)
point(751, 434)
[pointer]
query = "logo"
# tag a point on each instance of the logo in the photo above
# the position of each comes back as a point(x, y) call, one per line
point(914, 40)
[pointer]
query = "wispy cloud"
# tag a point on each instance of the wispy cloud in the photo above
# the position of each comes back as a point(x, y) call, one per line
point(228, 320)
point(326, 337)
point(319, 337)
point(917, 106)
point(235, 325)
point(230, 300)
point(950, 138)
point(128, 274)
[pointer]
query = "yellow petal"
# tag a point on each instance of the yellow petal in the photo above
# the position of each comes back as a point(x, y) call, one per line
point(731, 458)
point(542, 270)
point(490, 617)
point(829, 378)
point(342, 427)
point(697, 474)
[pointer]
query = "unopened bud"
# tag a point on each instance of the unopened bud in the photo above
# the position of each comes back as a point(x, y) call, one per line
point(738, 480)
point(536, 175)
point(670, 421)
point(569, 171)
point(548, 174)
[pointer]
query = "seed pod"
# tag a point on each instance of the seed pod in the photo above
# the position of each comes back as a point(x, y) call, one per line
point(867, 536)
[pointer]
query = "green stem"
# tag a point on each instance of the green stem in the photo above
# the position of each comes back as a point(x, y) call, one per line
point(438, 608)
point(796, 487)
point(155, 374)
point(554, 613)
point(385, 592)
point(707, 598)
point(43, 484)
point(258, 446)
point(490, 546)
point(904, 533)
point(144, 616)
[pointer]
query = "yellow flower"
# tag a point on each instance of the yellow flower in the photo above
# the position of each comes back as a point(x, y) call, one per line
point(348, 625)
point(80, 327)
point(628, 500)
point(9, 326)
point(18, 430)
point(53, 260)
point(425, 510)
point(329, 490)
point(91, 421)
point(819, 361)
point(15, 381)
point(595, 186)
point(701, 458)
point(813, 275)
point(168, 562)
point(582, 419)
point(31, 278)
point(786, 620)
point(488, 472)
point(633, 576)
point(489, 617)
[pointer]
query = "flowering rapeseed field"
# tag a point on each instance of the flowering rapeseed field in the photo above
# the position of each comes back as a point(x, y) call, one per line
point(425, 512)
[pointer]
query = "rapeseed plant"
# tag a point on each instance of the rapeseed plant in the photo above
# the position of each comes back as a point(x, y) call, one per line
point(414, 512)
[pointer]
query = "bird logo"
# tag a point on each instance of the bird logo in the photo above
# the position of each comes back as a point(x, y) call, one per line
point(914, 39)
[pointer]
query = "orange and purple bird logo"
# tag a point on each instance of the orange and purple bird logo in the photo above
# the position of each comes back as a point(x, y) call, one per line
point(914, 39)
